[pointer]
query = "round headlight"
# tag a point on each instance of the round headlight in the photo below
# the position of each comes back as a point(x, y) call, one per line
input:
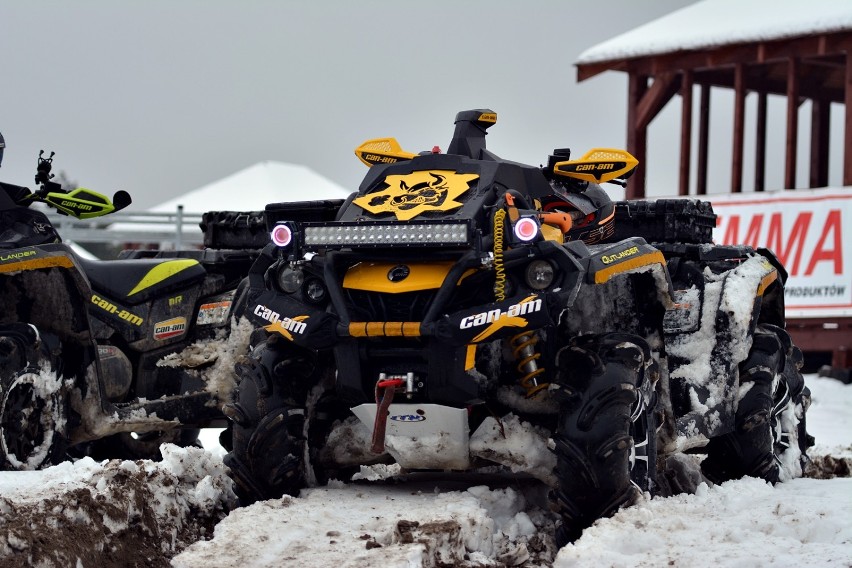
point(539, 274)
point(289, 279)
point(526, 229)
point(315, 290)
point(281, 235)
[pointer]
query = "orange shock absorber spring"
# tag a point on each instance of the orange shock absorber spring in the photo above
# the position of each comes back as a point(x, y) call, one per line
point(523, 349)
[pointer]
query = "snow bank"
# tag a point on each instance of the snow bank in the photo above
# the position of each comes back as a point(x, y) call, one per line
point(741, 523)
point(388, 526)
point(111, 514)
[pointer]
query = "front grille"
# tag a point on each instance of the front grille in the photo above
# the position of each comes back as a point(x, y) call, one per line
point(375, 306)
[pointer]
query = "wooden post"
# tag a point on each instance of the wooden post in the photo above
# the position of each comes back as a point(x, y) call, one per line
point(760, 144)
point(703, 138)
point(739, 129)
point(637, 136)
point(685, 132)
point(792, 122)
point(820, 124)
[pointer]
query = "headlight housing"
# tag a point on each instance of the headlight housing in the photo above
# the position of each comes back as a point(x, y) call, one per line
point(289, 279)
point(539, 274)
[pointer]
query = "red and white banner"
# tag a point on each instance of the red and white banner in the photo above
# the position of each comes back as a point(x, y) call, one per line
point(811, 233)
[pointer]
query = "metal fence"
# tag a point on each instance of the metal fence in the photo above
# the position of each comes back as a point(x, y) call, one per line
point(166, 230)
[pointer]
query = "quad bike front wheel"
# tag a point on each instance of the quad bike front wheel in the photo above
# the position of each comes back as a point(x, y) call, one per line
point(267, 459)
point(605, 437)
point(33, 405)
point(769, 440)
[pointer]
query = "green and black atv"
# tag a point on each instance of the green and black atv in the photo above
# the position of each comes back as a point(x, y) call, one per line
point(108, 358)
point(461, 312)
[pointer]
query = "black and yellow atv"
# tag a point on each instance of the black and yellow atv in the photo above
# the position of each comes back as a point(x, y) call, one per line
point(460, 311)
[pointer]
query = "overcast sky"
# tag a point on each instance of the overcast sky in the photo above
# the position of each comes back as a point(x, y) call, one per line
point(161, 97)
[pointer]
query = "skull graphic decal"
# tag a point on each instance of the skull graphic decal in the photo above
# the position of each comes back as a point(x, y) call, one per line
point(409, 195)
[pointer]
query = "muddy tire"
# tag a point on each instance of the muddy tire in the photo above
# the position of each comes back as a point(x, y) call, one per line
point(327, 412)
point(267, 459)
point(769, 440)
point(33, 400)
point(604, 425)
point(792, 399)
point(665, 221)
point(234, 229)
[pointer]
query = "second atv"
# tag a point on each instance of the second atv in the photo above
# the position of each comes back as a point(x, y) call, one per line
point(106, 358)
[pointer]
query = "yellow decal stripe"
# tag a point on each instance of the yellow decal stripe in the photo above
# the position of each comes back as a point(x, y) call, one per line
point(162, 272)
point(605, 274)
point(36, 263)
point(470, 358)
point(504, 321)
point(384, 329)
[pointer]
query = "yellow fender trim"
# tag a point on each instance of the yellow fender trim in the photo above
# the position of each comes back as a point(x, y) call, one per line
point(36, 263)
point(646, 259)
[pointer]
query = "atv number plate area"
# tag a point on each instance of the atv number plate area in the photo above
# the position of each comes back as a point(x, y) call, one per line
point(423, 436)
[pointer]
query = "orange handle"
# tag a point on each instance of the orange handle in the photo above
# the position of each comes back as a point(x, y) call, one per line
point(561, 220)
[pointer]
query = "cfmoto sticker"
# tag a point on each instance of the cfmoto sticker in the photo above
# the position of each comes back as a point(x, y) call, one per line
point(169, 328)
point(407, 196)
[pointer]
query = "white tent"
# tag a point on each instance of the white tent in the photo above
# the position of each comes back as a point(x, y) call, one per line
point(250, 189)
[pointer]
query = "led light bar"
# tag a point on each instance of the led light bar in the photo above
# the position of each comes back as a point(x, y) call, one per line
point(387, 234)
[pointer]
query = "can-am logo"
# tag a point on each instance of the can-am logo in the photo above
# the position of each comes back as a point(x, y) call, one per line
point(169, 328)
point(528, 306)
point(407, 418)
point(285, 326)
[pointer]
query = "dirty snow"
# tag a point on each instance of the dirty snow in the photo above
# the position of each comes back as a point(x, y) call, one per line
point(214, 359)
point(159, 514)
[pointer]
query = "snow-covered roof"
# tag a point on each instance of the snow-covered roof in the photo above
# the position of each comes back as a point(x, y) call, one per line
point(252, 188)
point(713, 23)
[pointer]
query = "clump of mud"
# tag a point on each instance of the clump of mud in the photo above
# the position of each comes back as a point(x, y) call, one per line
point(828, 467)
point(125, 514)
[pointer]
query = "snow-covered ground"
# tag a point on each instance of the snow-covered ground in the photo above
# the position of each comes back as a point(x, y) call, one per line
point(181, 511)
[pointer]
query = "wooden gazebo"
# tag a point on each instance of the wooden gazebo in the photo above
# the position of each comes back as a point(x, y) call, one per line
point(801, 51)
point(798, 50)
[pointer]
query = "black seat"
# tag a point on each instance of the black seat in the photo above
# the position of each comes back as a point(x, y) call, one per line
point(136, 281)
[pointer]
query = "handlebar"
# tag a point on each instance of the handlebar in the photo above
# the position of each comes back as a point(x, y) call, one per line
point(80, 203)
